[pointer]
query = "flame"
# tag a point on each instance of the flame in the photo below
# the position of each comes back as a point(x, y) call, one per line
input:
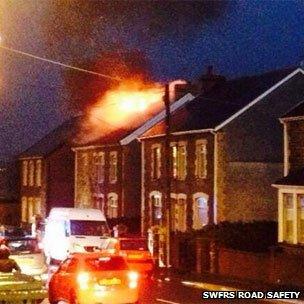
point(123, 107)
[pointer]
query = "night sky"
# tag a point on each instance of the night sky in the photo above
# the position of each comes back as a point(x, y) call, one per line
point(179, 38)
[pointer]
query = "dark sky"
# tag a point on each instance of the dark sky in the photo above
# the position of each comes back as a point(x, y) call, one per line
point(180, 38)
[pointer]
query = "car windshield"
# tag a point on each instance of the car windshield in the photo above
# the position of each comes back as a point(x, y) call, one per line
point(136, 244)
point(106, 263)
point(92, 228)
point(22, 246)
point(11, 232)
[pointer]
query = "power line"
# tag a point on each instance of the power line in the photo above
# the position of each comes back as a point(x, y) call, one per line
point(59, 63)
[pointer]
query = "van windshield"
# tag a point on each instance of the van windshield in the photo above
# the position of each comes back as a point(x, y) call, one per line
point(93, 228)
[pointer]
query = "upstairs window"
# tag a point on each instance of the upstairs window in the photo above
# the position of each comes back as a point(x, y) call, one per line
point(179, 160)
point(113, 167)
point(25, 173)
point(99, 166)
point(38, 173)
point(31, 172)
point(288, 217)
point(156, 161)
point(201, 159)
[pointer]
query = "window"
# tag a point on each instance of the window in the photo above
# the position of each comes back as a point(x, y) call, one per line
point(155, 161)
point(301, 218)
point(200, 211)
point(99, 202)
point(112, 208)
point(24, 172)
point(156, 209)
point(113, 167)
point(201, 159)
point(31, 172)
point(179, 213)
point(24, 209)
point(174, 161)
point(179, 161)
point(288, 217)
point(99, 164)
point(30, 206)
point(38, 173)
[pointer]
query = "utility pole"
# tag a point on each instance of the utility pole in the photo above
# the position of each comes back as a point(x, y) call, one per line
point(166, 100)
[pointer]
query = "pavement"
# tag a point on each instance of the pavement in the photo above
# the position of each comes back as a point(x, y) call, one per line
point(218, 283)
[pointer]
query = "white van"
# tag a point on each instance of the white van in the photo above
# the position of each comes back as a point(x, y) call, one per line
point(71, 230)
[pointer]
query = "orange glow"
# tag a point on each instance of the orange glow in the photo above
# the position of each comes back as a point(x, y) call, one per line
point(130, 98)
point(123, 107)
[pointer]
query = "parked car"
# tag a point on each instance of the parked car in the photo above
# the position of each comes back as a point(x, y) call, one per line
point(135, 250)
point(11, 231)
point(88, 278)
point(30, 258)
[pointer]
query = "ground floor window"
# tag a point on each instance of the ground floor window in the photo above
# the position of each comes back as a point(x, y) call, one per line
point(156, 209)
point(99, 202)
point(30, 207)
point(301, 218)
point(179, 212)
point(199, 210)
point(112, 207)
point(288, 210)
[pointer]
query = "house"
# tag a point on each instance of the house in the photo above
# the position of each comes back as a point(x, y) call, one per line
point(9, 206)
point(108, 173)
point(225, 152)
point(291, 186)
point(47, 173)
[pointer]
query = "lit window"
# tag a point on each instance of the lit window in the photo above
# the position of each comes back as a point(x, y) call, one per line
point(301, 218)
point(37, 206)
point(112, 208)
point(31, 172)
point(24, 172)
point(113, 167)
point(24, 209)
point(38, 173)
point(201, 159)
point(99, 164)
point(179, 214)
point(200, 212)
point(30, 209)
point(288, 217)
point(156, 208)
point(179, 161)
point(174, 161)
point(156, 162)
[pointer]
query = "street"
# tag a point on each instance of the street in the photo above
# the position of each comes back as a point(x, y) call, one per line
point(160, 291)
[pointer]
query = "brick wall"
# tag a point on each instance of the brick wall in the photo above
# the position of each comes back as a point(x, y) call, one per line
point(295, 131)
point(248, 192)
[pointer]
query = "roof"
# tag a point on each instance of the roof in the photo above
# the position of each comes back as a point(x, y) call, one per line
point(295, 178)
point(125, 136)
point(225, 101)
point(53, 140)
point(297, 111)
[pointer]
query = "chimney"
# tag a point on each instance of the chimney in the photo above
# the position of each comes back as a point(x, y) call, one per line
point(179, 88)
point(207, 81)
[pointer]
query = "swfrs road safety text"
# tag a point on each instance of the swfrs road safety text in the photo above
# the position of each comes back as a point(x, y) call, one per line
point(281, 295)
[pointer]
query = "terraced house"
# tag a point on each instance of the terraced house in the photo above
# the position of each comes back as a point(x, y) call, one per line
point(225, 153)
point(108, 174)
point(47, 173)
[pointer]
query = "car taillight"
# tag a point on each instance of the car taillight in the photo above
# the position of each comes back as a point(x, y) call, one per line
point(133, 279)
point(83, 280)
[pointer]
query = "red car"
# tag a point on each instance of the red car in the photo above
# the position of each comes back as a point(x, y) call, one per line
point(134, 250)
point(89, 278)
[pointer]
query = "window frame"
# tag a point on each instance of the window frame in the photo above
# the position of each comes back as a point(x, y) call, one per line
point(155, 161)
point(113, 167)
point(201, 159)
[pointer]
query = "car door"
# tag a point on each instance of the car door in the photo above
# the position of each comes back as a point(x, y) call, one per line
point(63, 281)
